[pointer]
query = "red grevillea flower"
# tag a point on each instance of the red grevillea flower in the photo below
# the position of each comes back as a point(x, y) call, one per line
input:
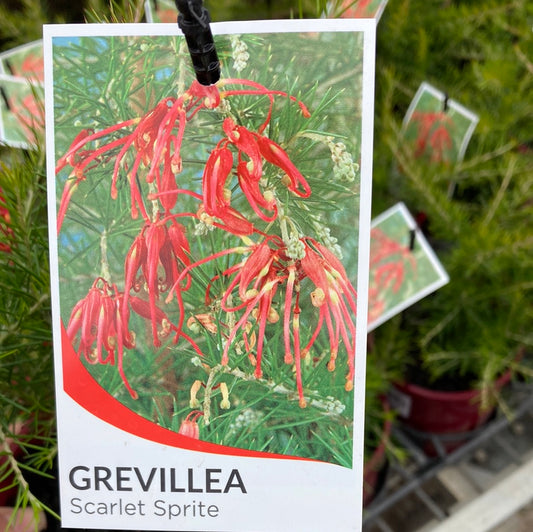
point(256, 281)
point(335, 297)
point(101, 325)
point(155, 143)
point(217, 197)
point(252, 150)
point(156, 259)
point(189, 426)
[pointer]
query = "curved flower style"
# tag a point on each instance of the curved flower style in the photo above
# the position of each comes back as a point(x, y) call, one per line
point(156, 258)
point(252, 150)
point(257, 280)
point(259, 90)
point(102, 325)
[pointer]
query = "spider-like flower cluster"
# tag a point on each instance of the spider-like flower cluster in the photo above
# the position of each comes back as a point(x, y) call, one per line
point(276, 272)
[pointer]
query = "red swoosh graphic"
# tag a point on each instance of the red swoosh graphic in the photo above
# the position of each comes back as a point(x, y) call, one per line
point(84, 390)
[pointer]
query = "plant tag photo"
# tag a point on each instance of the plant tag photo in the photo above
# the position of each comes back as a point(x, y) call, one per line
point(438, 128)
point(25, 61)
point(21, 111)
point(209, 261)
point(403, 266)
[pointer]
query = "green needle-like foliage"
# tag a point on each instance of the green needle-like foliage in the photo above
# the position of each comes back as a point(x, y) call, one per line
point(27, 436)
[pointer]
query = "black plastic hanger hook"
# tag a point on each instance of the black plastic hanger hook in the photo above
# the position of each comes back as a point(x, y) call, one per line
point(193, 21)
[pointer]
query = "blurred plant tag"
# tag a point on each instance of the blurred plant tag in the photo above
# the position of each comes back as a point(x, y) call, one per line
point(24, 61)
point(403, 266)
point(160, 11)
point(438, 128)
point(209, 252)
point(21, 112)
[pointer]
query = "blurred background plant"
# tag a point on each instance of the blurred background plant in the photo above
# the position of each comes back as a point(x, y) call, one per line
point(480, 54)
point(472, 330)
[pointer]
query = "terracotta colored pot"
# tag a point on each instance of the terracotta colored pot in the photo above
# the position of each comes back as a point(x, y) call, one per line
point(448, 415)
point(376, 467)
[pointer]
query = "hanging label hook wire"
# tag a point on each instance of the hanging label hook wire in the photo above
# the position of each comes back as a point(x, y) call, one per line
point(193, 21)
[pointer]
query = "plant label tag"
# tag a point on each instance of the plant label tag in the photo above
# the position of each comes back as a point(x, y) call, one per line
point(403, 266)
point(437, 129)
point(24, 61)
point(21, 111)
point(209, 257)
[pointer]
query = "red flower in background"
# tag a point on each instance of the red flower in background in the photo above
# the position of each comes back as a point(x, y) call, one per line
point(5, 220)
point(32, 68)
point(433, 135)
point(388, 259)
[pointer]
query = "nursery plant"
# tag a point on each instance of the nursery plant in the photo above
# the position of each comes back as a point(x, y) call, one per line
point(476, 211)
point(27, 424)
